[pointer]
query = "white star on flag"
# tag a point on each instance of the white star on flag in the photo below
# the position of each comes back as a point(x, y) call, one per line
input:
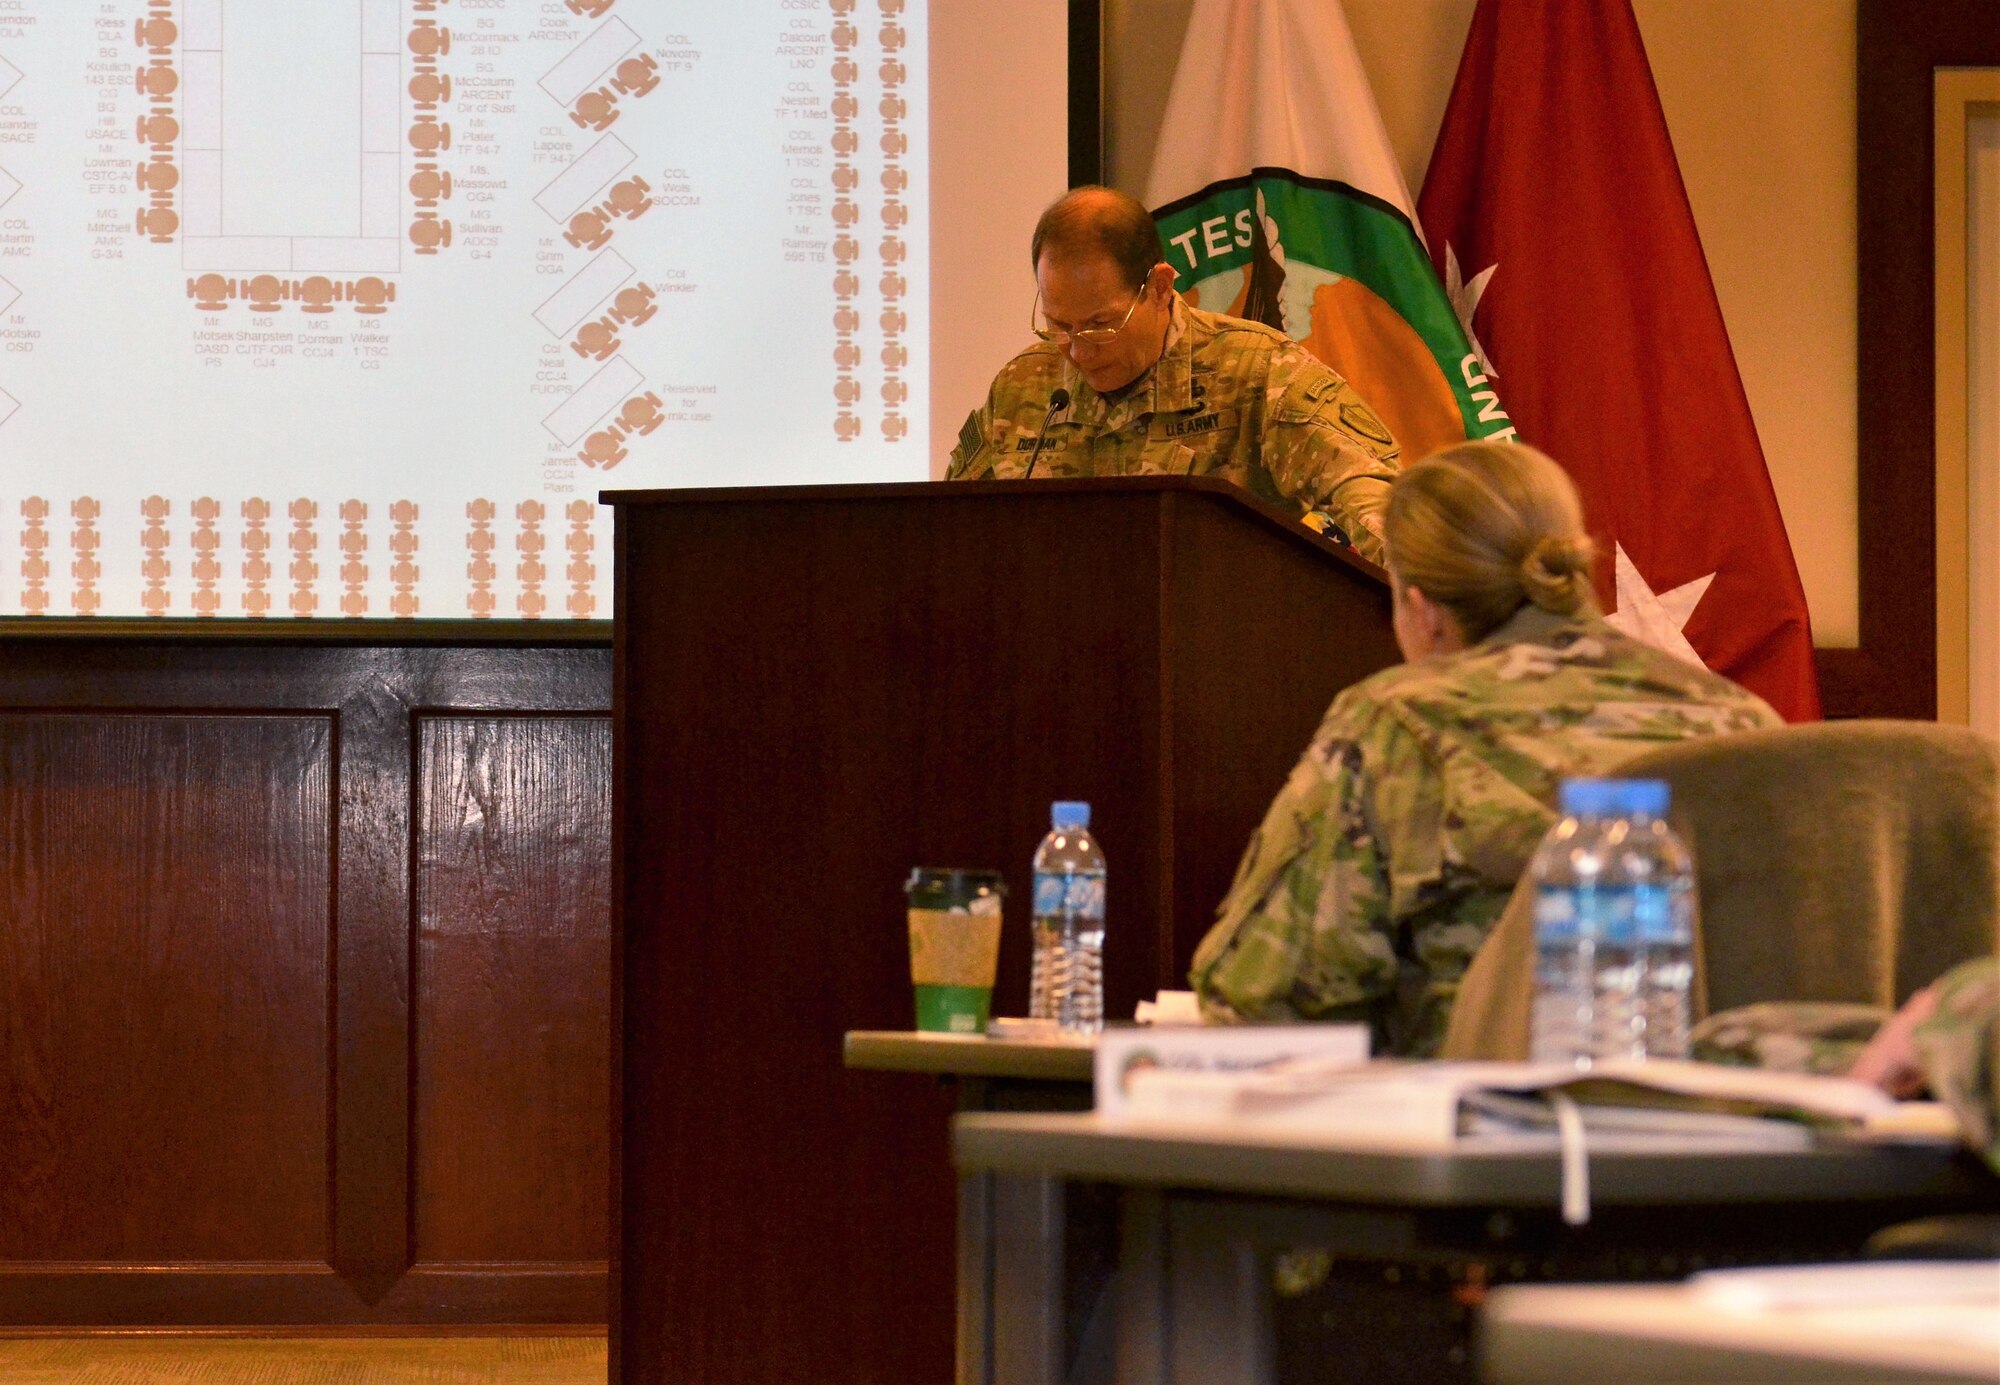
point(1655, 618)
point(1465, 295)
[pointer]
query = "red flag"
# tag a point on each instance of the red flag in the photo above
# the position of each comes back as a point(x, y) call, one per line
point(1555, 212)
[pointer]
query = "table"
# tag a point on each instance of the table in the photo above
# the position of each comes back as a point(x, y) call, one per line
point(1655, 1334)
point(1062, 1063)
point(1411, 1238)
point(1058, 1274)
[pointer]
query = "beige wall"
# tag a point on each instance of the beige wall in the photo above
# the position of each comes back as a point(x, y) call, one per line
point(1759, 96)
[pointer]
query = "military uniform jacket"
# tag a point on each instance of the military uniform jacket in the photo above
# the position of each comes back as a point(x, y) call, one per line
point(1227, 398)
point(1392, 848)
point(1958, 1048)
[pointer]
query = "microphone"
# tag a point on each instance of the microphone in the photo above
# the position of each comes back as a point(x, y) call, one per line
point(1057, 403)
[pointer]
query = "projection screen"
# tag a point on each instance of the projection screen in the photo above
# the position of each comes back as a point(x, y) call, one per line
point(350, 308)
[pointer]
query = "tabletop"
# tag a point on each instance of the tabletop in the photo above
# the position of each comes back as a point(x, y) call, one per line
point(1519, 1170)
point(1545, 1334)
point(968, 1055)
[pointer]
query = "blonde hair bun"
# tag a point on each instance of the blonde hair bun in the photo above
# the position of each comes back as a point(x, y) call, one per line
point(1556, 573)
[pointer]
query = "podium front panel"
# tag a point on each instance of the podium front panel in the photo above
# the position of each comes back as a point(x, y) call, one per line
point(817, 690)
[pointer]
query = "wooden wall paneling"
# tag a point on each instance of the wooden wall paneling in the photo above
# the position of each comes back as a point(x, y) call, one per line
point(187, 760)
point(1900, 43)
point(163, 1093)
point(1086, 88)
point(512, 986)
point(371, 1075)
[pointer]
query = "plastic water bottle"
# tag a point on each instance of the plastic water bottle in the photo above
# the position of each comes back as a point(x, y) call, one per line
point(1665, 909)
point(1067, 984)
point(1614, 927)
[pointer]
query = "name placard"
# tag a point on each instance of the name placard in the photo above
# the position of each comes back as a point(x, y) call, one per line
point(1124, 1053)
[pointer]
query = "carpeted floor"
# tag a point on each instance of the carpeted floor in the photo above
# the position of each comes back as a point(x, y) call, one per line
point(150, 1360)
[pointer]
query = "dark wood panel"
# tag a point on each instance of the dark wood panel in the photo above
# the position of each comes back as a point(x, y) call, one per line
point(512, 988)
point(805, 808)
point(1899, 44)
point(818, 688)
point(91, 1240)
point(1086, 87)
point(163, 1092)
point(311, 1296)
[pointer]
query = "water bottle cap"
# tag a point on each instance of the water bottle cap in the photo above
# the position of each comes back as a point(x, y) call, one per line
point(1615, 797)
point(1647, 797)
point(1582, 798)
point(1068, 814)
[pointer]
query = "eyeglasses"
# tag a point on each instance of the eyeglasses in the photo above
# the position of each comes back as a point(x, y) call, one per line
point(1083, 336)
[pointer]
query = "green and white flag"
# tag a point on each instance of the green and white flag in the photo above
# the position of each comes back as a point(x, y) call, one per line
point(1280, 200)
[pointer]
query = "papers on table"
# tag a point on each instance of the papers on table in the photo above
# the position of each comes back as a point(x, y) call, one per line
point(1504, 1113)
point(1020, 1028)
point(1434, 1105)
point(1169, 1007)
point(1654, 1106)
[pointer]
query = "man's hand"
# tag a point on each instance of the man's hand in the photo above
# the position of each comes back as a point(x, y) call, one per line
point(1890, 1059)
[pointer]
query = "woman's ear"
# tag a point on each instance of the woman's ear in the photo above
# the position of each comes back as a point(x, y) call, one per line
point(1424, 627)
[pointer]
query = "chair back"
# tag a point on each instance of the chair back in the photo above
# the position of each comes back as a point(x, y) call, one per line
point(1845, 861)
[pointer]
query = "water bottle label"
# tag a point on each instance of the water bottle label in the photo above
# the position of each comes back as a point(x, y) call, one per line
point(1079, 896)
point(1606, 914)
point(1555, 915)
point(1662, 913)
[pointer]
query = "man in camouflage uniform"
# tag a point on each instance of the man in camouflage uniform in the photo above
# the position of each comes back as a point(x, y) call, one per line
point(1391, 850)
point(1958, 1048)
point(1946, 1040)
point(1155, 386)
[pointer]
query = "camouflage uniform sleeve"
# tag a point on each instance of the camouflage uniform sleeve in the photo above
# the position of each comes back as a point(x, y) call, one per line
point(1305, 932)
point(1959, 1050)
point(1327, 450)
point(1815, 1036)
point(973, 456)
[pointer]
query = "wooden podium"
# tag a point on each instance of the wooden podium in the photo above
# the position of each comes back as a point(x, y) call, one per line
point(818, 688)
